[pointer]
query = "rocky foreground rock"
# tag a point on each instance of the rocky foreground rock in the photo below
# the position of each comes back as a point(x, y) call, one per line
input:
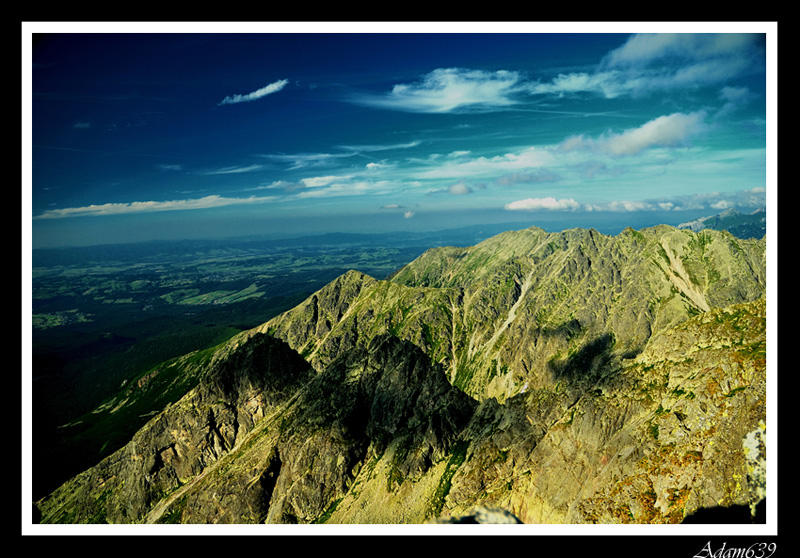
point(561, 377)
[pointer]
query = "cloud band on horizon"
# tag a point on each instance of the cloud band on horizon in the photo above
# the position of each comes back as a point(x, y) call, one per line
point(751, 198)
point(150, 206)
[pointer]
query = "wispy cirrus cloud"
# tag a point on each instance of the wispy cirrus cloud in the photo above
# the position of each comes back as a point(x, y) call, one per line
point(609, 84)
point(334, 186)
point(273, 87)
point(233, 170)
point(302, 160)
point(347, 188)
point(150, 206)
point(461, 172)
point(297, 161)
point(646, 63)
point(448, 90)
point(323, 181)
point(689, 57)
point(524, 159)
point(370, 148)
point(379, 166)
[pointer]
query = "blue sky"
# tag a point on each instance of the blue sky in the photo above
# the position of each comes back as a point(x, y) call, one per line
point(293, 128)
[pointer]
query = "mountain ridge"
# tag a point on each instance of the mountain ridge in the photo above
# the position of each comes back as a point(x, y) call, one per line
point(569, 294)
point(531, 333)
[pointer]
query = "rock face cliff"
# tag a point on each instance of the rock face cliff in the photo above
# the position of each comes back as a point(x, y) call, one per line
point(565, 377)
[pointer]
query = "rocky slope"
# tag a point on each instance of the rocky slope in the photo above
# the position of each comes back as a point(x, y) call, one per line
point(529, 309)
point(565, 377)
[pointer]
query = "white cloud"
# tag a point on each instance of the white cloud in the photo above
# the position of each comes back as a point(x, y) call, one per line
point(674, 130)
point(622, 205)
point(643, 64)
point(536, 177)
point(257, 94)
point(610, 84)
point(233, 170)
point(302, 160)
point(282, 185)
point(643, 49)
point(669, 60)
point(346, 188)
point(744, 199)
point(381, 147)
point(408, 214)
point(737, 95)
point(735, 98)
point(662, 61)
point(149, 206)
point(549, 203)
point(378, 166)
point(459, 189)
point(482, 166)
point(320, 181)
point(450, 89)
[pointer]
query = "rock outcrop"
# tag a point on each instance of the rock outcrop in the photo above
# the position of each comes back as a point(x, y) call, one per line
point(182, 443)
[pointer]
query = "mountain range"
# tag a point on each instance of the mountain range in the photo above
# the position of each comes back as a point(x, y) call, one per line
point(751, 225)
point(565, 377)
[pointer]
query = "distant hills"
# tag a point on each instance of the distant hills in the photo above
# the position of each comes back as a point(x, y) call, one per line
point(568, 377)
point(173, 251)
point(752, 225)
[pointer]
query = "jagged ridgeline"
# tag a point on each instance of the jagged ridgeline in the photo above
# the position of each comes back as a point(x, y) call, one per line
point(566, 377)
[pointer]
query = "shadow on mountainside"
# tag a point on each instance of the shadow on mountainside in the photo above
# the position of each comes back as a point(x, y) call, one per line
point(388, 394)
point(371, 398)
point(585, 363)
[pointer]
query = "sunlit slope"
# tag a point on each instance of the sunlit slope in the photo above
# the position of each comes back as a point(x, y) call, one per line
point(380, 436)
point(527, 308)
